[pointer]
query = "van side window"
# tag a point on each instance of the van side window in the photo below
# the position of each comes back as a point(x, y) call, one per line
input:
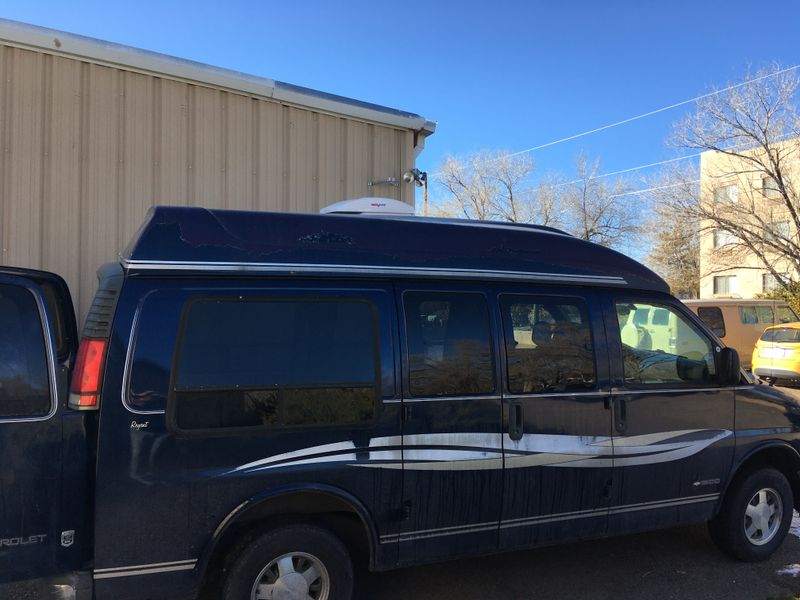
point(752, 315)
point(154, 347)
point(24, 381)
point(667, 349)
point(276, 363)
point(548, 344)
point(712, 316)
point(785, 315)
point(449, 346)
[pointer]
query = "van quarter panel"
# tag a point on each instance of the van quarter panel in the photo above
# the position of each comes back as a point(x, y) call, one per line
point(185, 474)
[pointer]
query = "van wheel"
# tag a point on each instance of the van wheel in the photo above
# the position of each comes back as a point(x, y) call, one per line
point(296, 562)
point(755, 516)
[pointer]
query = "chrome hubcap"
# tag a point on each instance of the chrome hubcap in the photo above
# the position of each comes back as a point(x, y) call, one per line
point(763, 516)
point(292, 576)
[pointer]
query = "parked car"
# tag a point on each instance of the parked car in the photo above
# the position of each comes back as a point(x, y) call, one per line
point(259, 400)
point(776, 356)
point(739, 323)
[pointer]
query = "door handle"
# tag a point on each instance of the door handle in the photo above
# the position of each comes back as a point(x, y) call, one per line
point(515, 422)
point(620, 414)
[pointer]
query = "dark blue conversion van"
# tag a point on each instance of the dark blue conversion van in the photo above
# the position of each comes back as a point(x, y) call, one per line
point(258, 401)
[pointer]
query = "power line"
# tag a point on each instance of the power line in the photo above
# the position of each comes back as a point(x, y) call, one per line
point(649, 113)
point(653, 189)
point(631, 169)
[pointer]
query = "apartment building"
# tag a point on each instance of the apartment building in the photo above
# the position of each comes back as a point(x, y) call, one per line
point(739, 193)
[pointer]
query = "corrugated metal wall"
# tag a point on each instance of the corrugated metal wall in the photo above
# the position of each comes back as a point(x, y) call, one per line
point(88, 148)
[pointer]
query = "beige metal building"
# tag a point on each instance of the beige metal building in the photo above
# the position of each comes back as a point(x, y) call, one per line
point(94, 133)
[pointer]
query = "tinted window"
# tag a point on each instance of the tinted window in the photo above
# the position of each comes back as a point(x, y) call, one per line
point(785, 315)
point(24, 382)
point(670, 354)
point(553, 355)
point(712, 316)
point(449, 349)
point(260, 363)
point(154, 347)
point(751, 315)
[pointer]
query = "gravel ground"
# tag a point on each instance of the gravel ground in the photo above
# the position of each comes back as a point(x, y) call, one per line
point(674, 564)
point(679, 564)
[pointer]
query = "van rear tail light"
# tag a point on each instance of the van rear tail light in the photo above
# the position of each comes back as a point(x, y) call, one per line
point(88, 374)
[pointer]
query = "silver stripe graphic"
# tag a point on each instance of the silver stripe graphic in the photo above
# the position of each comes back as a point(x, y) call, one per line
point(369, 270)
point(544, 519)
point(481, 451)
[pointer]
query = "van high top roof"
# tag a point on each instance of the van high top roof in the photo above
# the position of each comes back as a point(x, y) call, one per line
point(243, 242)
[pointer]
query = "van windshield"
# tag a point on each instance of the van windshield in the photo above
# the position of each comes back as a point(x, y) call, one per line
point(782, 334)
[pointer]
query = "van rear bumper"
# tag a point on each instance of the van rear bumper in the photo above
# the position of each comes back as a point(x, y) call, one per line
point(775, 373)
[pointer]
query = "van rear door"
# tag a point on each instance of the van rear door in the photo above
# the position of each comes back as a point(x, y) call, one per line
point(37, 346)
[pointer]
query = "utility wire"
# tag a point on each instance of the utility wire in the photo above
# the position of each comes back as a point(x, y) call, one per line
point(653, 189)
point(649, 113)
point(630, 169)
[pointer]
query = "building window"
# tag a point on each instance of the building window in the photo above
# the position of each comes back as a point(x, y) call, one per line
point(769, 187)
point(777, 230)
point(723, 238)
point(726, 193)
point(724, 284)
point(769, 282)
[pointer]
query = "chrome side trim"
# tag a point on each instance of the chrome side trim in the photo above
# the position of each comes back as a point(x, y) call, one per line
point(540, 520)
point(307, 268)
point(441, 399)
point(625, 392)
point(146, 569)
point(51, 365)
point(533, 396)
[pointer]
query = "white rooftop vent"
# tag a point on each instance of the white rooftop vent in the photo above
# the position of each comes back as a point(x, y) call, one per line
point(370, 206)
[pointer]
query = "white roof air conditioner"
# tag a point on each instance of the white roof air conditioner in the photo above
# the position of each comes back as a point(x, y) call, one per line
point(370, 206)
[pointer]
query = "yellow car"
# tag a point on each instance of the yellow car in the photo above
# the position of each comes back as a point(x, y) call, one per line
point(777, 353)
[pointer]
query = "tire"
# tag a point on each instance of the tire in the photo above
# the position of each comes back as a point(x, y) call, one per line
point(754, 535)
point(286, 558)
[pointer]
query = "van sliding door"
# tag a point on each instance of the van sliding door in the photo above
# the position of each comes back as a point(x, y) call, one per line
point(452, 452)
point(557, 423)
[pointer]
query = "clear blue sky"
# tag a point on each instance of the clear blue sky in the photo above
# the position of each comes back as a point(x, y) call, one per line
point(497, 75)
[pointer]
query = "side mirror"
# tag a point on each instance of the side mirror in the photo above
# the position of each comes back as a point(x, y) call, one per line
point(729, 367)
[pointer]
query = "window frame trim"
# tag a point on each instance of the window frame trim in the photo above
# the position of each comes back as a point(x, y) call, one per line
point(171, 404)
point(507, 379)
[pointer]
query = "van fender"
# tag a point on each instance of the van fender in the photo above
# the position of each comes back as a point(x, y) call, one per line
point(238, 514)
point(786, 450)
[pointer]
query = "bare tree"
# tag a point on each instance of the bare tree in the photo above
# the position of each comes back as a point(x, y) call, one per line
point(748, 194)
point(675, 236)
point(594, 210)
point(494, 186)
